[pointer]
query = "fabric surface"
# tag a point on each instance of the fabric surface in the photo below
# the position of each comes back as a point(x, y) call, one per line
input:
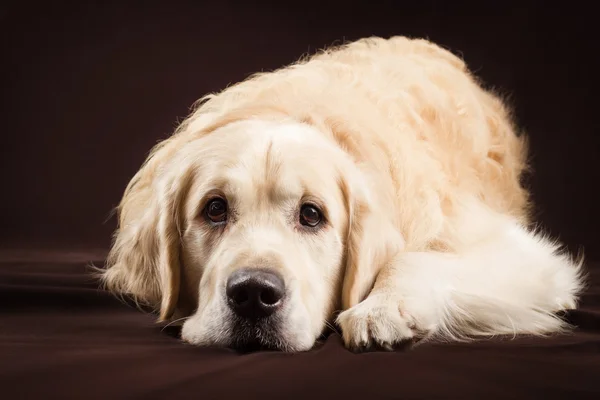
point(61, 337)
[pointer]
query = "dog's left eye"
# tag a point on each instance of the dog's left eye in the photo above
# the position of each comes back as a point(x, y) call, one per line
point(310, 215)
point(216, 210)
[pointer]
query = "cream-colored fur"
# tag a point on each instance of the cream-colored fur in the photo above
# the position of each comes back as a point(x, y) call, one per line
point(418, 170)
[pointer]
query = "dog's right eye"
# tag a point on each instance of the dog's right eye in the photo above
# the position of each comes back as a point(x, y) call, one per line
point(310, 216)
point(216, 210)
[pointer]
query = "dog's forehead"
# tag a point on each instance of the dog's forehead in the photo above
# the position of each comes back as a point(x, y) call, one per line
point(266, 160)
point(261, 136)
point(271, 151)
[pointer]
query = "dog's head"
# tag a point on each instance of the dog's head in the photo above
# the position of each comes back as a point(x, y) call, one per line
point(257, 231)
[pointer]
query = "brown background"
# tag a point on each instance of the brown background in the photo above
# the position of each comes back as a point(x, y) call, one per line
point(88, 87)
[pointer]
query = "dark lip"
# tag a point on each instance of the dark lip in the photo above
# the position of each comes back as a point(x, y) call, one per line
point(253, 347)
point(252, 344)
point(261, 334)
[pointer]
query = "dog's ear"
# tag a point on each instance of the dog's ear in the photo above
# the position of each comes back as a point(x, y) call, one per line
point(144, 261)
point(371, 243)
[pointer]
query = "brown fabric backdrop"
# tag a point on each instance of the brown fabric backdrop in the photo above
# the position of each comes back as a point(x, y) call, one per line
point(89, 87)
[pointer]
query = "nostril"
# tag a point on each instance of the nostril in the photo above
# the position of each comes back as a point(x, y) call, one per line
point(240, 296)
point(269, 297)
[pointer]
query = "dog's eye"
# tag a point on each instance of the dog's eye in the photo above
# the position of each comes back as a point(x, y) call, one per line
point(216, 210)
point(310, 215)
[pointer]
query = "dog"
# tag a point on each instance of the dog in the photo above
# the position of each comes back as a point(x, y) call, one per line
point(375, 185)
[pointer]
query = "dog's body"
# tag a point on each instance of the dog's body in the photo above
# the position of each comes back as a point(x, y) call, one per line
point(378, 179)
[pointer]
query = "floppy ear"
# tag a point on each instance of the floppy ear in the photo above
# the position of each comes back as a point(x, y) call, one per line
point(371, 244)
point(144, 260)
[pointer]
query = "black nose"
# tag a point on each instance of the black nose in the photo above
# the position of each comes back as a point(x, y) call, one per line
point(254, 293)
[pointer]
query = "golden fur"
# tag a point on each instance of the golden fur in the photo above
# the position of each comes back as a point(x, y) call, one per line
point(417, 160)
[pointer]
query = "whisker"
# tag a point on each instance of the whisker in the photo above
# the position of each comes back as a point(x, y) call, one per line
point(332, 327)
point(172, 322)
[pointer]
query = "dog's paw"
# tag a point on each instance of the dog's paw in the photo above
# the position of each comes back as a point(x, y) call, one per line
point(378, 322)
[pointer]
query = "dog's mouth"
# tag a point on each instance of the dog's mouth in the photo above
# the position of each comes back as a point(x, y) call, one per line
point(257, 335)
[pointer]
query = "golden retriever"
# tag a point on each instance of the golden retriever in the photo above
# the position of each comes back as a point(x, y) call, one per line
point(375, 185)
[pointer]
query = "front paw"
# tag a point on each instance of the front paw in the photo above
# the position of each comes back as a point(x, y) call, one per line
point(378, 322)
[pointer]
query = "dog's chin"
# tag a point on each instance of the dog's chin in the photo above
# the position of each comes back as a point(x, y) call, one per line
point(259, 335)
point(273, 333)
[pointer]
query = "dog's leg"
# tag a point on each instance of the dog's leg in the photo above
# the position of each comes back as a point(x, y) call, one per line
point(507, 281)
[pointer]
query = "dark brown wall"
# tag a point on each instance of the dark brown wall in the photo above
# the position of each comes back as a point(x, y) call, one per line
point(88, 88)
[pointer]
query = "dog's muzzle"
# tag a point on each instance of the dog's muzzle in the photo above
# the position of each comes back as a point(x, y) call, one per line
point(255, 297)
